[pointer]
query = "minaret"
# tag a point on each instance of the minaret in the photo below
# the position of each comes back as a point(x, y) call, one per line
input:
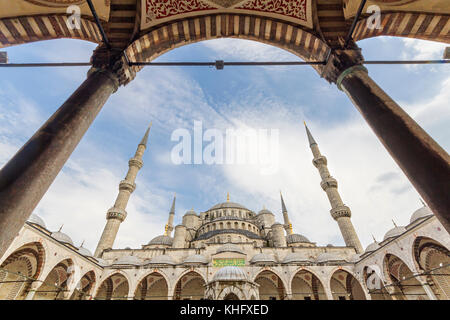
point(116, 215)
point(169, 225)
point(287, 222)
point(339, 211)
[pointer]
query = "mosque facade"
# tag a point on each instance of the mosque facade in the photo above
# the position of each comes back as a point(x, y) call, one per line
point(230, 252)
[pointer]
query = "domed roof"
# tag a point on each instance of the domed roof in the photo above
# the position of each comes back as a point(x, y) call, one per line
point(296, 238)
point(133, 260)
point(394, 232)
point(230, 273)
point(265, 211)
point(85, 252)
point(372, 247)
point(162, 240)
point(161, 259)
point(62, 237)
point(229, 247)
point(295, 257)
point(195, 259)
point(420, 213)
point(190, 213)
point(35, 219)
point(327, 256)
point(227, 205)
point(263, 258)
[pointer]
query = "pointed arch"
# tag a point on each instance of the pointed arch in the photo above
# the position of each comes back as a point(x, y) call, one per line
point(152, 286)
point(115, 287)
point(271, 285)
point(305, 285)
point(344, 286)
point(55, 285)
point(190, 286)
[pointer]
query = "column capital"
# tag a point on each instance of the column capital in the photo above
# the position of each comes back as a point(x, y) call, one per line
point(113, 61)
point(340, 60)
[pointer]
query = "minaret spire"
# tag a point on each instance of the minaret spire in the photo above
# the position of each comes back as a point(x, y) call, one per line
point(340, 212)
point(169, 225)
point(287, 222)
point(117, 214)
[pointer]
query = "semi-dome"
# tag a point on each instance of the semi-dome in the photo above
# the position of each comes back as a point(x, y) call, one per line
point(420, 213)
point(228, 205)
point(133, 260)
point(265, 211)
point(296, 257)
point(196, 259)
point(161, 259)
point(35, 219)
point(162, 240)
point(229, 247)
point(296, 238)
point(230, 273)
point(263, 258)
point(85, 252)
point(62, 237)
point(394, 232)
point(328, 257)
point(372, 247)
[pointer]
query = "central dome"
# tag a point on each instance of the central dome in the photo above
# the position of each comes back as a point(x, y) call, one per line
point(228, 204)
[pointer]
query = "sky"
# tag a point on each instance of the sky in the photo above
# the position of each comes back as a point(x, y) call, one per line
point(271, 98)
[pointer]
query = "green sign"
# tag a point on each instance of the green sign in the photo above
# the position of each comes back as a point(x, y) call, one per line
point(238, 262)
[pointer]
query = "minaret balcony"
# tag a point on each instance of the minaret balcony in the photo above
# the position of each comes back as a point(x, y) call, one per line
point(320, 161)
point(136, 162)
point(341, 211)
point(116, 213)
point(127, 185)
point(329, 182)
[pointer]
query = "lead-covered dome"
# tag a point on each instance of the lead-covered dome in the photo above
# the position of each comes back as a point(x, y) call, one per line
point(161, 259)
point(296, 257)
point(196, 259)
point(35, 219)
point(394, 232)
point(420, 213)
point(62, 237)
point(372, 247)
point(229, 247)
point(85, 252)
point(133, 260)
point(265, 211)
point(228, 205)
point(263, 258)
point(230, 273)
point(296, 238)
point(162, 240)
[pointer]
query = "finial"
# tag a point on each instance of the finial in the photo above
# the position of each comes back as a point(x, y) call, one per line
point(423, 202)
point(374, 240)
point(283, 206)
point(172, 209)
point(145, 138)
point(310, 137)
point(394, 223)
point(60, 228)
point(228, 197)
point(82, 244)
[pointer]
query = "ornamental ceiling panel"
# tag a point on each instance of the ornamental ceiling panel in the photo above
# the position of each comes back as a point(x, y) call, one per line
point(160, 11)
point(431, 6)
point(20, 8)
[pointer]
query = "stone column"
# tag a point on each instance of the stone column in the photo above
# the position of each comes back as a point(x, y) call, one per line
point(34, 287)
point(27, 176)
point(424, 162)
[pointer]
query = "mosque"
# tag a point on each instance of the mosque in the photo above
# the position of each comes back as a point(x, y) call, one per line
point(230, 252)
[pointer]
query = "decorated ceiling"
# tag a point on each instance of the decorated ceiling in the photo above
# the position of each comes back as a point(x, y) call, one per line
point(160, 11)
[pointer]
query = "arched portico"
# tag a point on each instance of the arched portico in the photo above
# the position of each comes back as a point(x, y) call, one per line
point(153, 286)
point(305, 285)
point(271, 286)
point(115, 287)
point(344, 286)
point(55, 286)
point(190, 286)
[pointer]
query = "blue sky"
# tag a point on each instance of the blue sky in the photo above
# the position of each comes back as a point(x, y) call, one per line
point(237, 97)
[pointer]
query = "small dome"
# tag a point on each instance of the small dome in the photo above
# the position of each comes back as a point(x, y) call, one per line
point(355, 258)
point(394, 232)
point(161, 259)
point(263, 258)
point(296, 238)
point(62, 237)
point(85, 252)
point(295, 257)
point(162, 240)
point(229, 247)
point(196, 259)
point(265, 211)
point(133, 260)
point(191, 213)
point(228, 204)
point(372, 247)
point(328, 257)
point(35, 219)
point(329, 245)
point(420, 213)
point(230, 273)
